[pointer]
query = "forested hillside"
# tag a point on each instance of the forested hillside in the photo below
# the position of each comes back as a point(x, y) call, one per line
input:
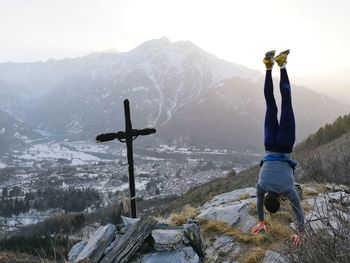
point(326, 133)
point(325, 155)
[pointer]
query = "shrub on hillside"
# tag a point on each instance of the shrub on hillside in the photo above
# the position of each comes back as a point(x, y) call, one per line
point(327, 235)
point(47, 247)
point(334, 168)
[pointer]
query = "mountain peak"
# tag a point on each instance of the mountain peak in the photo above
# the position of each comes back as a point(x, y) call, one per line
point(154, 43)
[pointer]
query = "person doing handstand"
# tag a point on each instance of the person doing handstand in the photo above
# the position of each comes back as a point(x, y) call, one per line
point(277, 168)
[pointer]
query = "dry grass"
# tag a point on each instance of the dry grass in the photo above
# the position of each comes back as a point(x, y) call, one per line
point(310, 192)
point(253, 246)
point(278, 231)
point(254, 255)
point(284, 216)
point(307, 207)
point(187, 212)
point(16, 257)
point(244, 196)
point(215, 227)
point(252, 207)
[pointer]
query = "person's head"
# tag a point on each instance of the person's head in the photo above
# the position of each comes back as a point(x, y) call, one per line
point(272, 202)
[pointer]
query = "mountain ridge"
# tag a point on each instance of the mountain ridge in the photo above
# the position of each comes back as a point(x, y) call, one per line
point(177, 87)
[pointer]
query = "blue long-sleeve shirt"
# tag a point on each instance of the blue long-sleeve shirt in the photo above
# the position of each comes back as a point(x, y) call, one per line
point(277, 176)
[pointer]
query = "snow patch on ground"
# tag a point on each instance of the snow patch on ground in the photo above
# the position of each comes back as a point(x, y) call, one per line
point(2, 165)
point(52, 151)
point(139, 185)
point(29, 218)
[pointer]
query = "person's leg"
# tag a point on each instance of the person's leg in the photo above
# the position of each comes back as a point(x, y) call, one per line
point(271, 126)
point(286, 134)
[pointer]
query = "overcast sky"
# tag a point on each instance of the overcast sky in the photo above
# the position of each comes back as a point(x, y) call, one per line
point(240, 31)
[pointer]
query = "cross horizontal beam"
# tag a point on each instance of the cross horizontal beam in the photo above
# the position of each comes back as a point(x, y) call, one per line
point(123, 135)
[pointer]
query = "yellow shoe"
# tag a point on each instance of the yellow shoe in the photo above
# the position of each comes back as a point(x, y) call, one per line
point(281, 59)
point(269, 59)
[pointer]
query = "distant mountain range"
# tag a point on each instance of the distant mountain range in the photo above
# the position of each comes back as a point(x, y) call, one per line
point(189, 95)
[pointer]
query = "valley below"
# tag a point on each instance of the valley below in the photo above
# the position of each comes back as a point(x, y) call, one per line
point(65, 166)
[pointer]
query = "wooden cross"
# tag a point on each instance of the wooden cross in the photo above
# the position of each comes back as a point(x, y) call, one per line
point(127, 137)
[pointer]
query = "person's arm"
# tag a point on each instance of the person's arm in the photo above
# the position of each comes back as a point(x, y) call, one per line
point(260, 193)
point(260, 210)
point(293, 196)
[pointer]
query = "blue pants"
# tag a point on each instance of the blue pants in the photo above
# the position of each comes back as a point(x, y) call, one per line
point(279, 137)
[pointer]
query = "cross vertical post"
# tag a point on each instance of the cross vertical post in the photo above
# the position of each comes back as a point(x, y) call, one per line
point(128, 131)
point(127, 137)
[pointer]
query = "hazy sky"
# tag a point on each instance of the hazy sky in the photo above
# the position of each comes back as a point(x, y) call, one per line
point(240, 31)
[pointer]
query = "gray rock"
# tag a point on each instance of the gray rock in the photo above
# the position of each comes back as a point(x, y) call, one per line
point(246, 221)
point(193, 233)
point(128, 221)
point(184, 255)
point(122, 230)
point(336, 187)
point(231, 197)
point(231, 208)
point(234, 214)
point(166, 240)
point(223, 245)
point(321, 202)
point(97, 244)
point(274, 257)
point(226, 213)
point(324, 215)
point(76, 249)
point(186, 241)
point(113, 244)
point(222, 242)
point(320, 220)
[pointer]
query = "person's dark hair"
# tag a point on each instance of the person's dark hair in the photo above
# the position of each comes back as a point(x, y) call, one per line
point(272, 202)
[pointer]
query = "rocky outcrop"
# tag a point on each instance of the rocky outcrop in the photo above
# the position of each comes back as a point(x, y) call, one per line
point(147, 241)
point(165, 243)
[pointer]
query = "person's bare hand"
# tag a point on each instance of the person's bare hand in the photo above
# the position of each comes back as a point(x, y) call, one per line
point(297, 239)
point(259, 227)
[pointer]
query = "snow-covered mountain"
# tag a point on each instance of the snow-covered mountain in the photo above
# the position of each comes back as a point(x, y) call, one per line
point(190, 96)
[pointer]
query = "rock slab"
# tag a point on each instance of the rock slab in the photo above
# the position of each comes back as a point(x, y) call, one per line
point(76, 249)
point(167, 240)
point(97, 244)
point(231, 197)
point(192, 232)
point(274, 257)
point(233, 214)
point(184, 255)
